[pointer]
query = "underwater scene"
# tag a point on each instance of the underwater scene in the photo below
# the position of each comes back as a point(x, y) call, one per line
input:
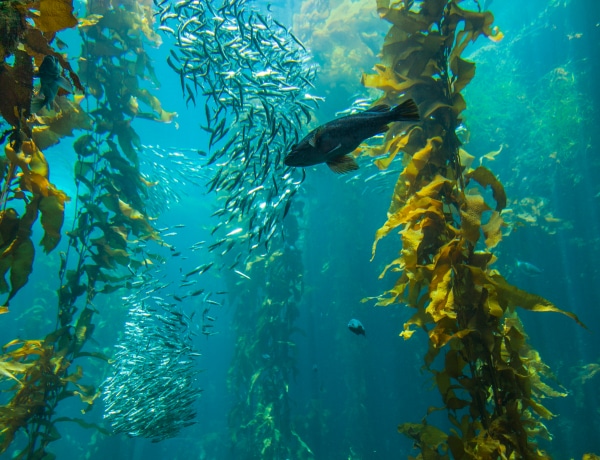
point(299, 229)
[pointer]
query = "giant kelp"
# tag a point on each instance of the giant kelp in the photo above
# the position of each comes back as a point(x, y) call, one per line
point(26, 31)
point(490, 380)
point(109, 206)
point(264, 357)
point(40, 368)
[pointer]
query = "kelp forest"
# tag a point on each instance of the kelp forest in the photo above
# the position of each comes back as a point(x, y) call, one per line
point(109, 205)
point(187, 294)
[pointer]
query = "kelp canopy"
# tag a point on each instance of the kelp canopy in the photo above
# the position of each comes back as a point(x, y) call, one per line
point(490, 380)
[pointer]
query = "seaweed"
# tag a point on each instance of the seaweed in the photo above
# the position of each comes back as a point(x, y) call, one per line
point(264, 356)
point(109, 205)
point(490, 380)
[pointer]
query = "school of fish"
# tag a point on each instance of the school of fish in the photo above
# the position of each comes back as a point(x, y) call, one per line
point(253, 77)
point(152, 391)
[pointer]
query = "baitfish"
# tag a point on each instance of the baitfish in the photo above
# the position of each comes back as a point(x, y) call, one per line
point(332, 142)
point(528, 268)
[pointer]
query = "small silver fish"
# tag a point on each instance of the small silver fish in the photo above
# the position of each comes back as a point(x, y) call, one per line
point(528, 268)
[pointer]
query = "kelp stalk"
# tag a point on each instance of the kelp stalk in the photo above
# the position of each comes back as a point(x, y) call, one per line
point(490, 380)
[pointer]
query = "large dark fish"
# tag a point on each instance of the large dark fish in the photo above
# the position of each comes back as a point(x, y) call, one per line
point(50, 80)
point(332, 142)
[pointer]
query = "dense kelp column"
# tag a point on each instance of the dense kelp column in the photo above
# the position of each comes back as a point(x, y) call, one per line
point(264, 358)
point(490, 380)
point(109, 207)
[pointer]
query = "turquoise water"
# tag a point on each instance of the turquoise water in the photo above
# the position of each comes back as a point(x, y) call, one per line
point(268, 334)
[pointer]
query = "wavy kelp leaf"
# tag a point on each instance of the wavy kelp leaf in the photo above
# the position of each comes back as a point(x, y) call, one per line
point(10, 369)
point(128, 139)
point(515, 297)
point(387, 80)
point(16, 89)
point(107, 256)
point(464, 71)
point(423, 434)
point(35, 170)
point(85, 145)
point(69, 116)
point(420, 319)
point(21, 265)
point(83, 328)
point(485, 178)
point(466, 160)
point(83, 424)
point(473, 208)
point(492, 230)
point(55, 15)
point(442, 296)
point(420, 159)
point(9, 226)
point(474, 24)
point(590, 456)
point(406, 22)
point(44, 137)
point(418, 206)
point(393, 144)
point(382, 6)
point(162, 115)
point(449, 397)
point(415, 56)
point(52, 210)
point(432, 10)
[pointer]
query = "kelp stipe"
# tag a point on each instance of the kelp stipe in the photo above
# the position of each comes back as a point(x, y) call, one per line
point(490, 380)
point(264, 361)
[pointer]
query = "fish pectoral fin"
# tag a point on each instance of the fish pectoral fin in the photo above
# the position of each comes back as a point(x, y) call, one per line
point(343, 164)
point(314, 138)
point(65, 84)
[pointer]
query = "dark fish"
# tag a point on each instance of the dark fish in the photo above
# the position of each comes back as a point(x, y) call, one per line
point(50, 80)
point(332, 142)
point(356, 326)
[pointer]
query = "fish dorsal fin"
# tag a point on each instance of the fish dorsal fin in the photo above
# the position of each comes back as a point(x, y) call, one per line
point(343, 164)
point(314, 139)
point(379, 108)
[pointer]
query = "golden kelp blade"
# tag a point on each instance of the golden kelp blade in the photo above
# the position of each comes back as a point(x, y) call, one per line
point(55, 15)
point(516, 297)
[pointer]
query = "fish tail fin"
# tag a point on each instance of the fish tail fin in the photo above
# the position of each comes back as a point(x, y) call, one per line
point(407, 111)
